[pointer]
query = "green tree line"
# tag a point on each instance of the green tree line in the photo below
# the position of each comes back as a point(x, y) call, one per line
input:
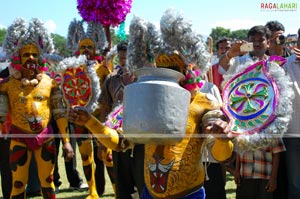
point(220, 32)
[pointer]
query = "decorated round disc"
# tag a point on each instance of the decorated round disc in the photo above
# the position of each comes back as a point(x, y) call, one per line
point(76, 85)
point(250, 99)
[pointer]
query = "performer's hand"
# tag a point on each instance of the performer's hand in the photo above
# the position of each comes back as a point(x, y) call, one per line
point(237, 177)
point(218, 126)
point(297, 53)
point(68, 151)
point(235, 49)
point(128, 76)
point(79, 115)
point(271, 185)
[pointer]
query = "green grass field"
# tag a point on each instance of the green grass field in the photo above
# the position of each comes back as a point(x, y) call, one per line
point(230, 186)
point(65, 193)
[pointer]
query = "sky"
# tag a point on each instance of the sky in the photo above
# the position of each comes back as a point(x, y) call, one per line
point(204, 15)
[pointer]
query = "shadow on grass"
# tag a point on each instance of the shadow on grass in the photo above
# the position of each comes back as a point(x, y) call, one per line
point(83, 196)
point(108, 195)
point(230, 191)
point(229, 177)
point(72, 191)
point(79, 194)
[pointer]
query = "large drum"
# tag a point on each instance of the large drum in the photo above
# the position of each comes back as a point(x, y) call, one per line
point(155, 107)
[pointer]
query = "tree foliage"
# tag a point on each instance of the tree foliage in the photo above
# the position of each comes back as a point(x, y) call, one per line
point(114, 38)
point(239, 34)
point(60, 45)
point(220, 32)
point(2, 35)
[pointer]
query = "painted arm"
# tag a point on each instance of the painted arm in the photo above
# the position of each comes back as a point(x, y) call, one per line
point(214, 122)
point(107, 136)
point(59, 113)
point(234, 51)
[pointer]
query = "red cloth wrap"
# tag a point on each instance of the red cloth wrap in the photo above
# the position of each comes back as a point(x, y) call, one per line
point(35, 142)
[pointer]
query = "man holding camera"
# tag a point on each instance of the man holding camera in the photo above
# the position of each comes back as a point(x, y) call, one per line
point(277, 47)
point(255, 49)
point(277, 40)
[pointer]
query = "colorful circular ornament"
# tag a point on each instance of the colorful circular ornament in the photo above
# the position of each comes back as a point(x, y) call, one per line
point(80, 83)
point(77, 86)
point(250, 99)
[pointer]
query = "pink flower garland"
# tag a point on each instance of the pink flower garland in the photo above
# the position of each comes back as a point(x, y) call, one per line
point(107, 12)
point(44, 66)
point(16, 64)
point(192, 80)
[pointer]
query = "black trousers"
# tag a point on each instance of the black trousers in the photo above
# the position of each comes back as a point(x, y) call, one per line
point(215, 186)
point(253, 189)
point(129, 171)
point(282, 180)
point(6, 176)
point(99, 171)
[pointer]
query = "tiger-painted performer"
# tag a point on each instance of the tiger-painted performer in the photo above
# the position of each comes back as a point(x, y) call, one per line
point(81, 80)
point(170, 170)
point(33, 98)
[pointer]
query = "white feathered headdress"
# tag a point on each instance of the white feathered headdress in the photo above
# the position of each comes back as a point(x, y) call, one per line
point(19, 35)
point(146, 43)
point(95, 32)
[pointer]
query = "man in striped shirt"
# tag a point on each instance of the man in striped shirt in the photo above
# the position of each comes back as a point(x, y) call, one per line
point(256, 172)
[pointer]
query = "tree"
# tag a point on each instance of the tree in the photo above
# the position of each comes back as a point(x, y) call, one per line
point(239, 34)
point(114, 38)
point(60, 45)
point(2, 35)
point(219, 33)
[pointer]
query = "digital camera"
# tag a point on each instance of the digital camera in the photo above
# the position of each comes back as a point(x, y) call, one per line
point(280, 40)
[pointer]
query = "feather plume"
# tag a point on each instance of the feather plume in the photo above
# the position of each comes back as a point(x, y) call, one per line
point(14, 34)
point(75, 33)
point(136, 52)
point(95, 31)
point(175, 35)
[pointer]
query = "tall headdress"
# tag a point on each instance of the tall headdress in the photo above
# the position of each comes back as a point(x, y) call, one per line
point(175, 45)
point(75, 33)
point(94, 31)
point(19, 35)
